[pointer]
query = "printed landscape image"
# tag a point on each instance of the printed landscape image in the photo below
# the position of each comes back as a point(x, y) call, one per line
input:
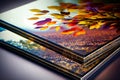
point(41, 52)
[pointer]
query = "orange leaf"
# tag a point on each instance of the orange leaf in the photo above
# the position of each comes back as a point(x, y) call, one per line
point(80, 32)
point(70, 31)
point(51, 23)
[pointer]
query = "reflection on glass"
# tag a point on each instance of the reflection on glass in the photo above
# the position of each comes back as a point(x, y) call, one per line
point(40, 51)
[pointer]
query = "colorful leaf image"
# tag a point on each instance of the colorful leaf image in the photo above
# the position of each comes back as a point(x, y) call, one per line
point(76, 18)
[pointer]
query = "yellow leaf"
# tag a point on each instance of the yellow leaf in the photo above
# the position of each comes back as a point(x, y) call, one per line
point(82, 22)
point(58, 16)
point(96, 26)
point(33, 18)
point(55, 7)
point(44, 28)
point(38, 14)
point(35, 10)
point(51, 23)
point(73, 10)
point(79, 33)
point(57, 28)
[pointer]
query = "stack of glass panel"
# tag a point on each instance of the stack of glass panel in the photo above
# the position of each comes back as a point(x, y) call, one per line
point(73, 37)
